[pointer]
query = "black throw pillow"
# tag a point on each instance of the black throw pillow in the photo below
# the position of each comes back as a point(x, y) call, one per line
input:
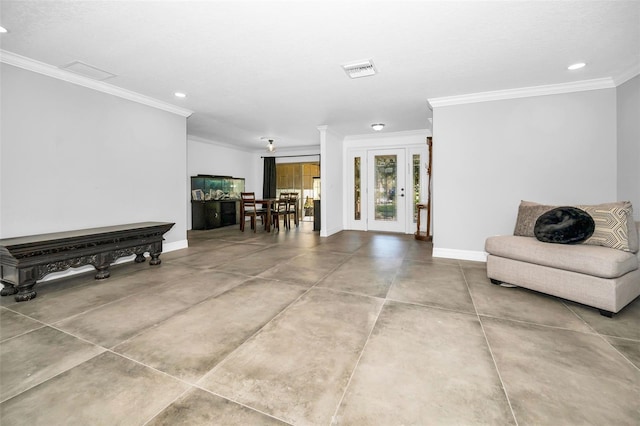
point(564, 225)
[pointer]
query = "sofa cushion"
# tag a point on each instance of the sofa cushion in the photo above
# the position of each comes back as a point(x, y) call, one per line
point(564, 225)
point(614, 226)
point(586, 259)
point(610, 231)
point(528, 213)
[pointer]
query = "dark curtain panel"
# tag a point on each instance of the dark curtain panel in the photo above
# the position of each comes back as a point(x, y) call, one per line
point(269, 181)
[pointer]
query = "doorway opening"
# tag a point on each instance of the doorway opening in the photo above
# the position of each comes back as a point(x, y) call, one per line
point(298, 178)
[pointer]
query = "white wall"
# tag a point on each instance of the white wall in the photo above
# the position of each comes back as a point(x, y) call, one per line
point(74, 158)
point(331, 178)
point(487, 156)
point(628, 108)
point(210, 158)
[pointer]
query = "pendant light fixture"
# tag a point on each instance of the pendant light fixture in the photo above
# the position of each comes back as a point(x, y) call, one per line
point(270, 146)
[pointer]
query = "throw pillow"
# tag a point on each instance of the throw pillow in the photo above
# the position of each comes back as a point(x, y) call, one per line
point(564, 225)
point(613, 226)
point(528, 213)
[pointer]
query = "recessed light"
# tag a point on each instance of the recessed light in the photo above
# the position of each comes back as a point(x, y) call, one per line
point(180, 95)
point(576, 66)
point(377, 127)
point(3, 30)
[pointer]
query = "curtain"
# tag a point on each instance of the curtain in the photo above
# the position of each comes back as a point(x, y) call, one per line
point(269, 180)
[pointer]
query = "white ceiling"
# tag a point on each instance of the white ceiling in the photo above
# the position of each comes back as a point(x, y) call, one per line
point(267, 68)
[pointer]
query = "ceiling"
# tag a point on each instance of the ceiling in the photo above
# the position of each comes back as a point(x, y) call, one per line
point(266, 68)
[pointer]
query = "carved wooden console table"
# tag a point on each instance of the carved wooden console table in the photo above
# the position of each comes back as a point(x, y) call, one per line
point(25, 260)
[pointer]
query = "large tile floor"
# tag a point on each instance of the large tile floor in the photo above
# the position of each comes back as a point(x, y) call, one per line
point(290, 328)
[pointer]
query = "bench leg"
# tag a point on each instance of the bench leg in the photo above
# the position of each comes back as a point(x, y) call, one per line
point(103, 272)
point(8, 289)
point(155, 259)
point(102, 263)
point(26, 292)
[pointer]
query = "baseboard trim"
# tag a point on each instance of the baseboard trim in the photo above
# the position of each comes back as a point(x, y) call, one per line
point(475, 256)
point(176, 245)
point(328, 232)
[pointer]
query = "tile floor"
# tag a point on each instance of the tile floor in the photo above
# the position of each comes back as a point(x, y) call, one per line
point(288, 328)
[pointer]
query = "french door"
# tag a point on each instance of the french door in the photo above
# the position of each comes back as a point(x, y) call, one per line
point(386, 190)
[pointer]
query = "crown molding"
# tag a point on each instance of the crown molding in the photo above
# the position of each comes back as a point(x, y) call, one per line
point(387, 135)
point(29, 64)
point(524, 92)
point(627, 75)
point(200, 139)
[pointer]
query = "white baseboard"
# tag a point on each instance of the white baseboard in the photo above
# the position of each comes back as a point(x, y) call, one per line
point(176, 245)
point(475, 256)
point(328, 232)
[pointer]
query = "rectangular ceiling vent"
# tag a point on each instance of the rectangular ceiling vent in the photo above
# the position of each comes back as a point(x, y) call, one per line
point(360, 69)
point(87, 70)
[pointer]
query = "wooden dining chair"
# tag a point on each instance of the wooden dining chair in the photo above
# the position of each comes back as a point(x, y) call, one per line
point(292, 208)
point(250, 209)
point(281, 209)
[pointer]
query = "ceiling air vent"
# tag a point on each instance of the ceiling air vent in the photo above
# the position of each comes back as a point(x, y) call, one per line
point(360, 69)
point(87, 70)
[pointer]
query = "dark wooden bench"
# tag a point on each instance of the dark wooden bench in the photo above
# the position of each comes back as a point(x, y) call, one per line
point(25, 260)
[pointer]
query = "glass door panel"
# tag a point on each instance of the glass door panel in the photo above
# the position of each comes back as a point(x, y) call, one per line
point(357, 210)
point(386, 194)
point(416, 185)
point(384, 183)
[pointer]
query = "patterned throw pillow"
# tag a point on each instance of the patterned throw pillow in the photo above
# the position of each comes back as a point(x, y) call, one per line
point(612, 227)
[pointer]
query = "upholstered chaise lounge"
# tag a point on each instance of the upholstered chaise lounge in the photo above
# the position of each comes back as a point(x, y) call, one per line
point(591, 273)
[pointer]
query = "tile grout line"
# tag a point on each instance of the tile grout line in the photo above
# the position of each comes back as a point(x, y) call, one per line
point(135, 293)
point(105, 349)
point(42, 325)
point(334, 418)
point(536, 324)
point(63, 371)
point(224, 359)
point(493, 358)
point(602, 336)
point(262, 328)
point(180, 312)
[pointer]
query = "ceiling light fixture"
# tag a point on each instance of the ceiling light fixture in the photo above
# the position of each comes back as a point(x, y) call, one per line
point(270, 147)
point(377, 127)
point(3, 30)
point(576, 66)
point(180, 95)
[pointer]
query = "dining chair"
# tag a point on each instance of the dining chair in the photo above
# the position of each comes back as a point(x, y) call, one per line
point(281, 209)
point(292, 207)
point(250, 209)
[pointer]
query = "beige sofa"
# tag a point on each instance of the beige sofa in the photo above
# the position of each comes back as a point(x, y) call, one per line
point(605, 278)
